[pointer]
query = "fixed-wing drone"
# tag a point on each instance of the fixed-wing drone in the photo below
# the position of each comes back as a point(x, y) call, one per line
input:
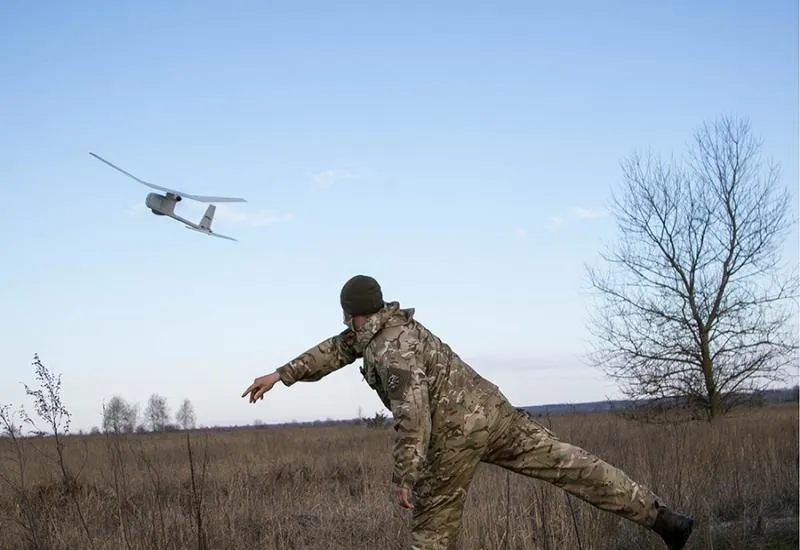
point(164, 205)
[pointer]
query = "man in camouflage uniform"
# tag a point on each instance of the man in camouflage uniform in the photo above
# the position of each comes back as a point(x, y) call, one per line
point(447, 419)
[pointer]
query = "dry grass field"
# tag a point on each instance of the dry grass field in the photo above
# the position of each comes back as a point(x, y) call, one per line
point(327, 488)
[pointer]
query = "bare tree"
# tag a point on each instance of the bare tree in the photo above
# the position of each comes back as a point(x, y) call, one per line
point(157, 414)
point(119, 416)
point(696, 304)
point(185, 416)
point(50, 408)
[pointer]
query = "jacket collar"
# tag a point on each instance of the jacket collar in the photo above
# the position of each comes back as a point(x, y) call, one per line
point(389, 315)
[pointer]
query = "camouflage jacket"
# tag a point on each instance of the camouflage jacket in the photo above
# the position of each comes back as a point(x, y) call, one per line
point(433, 395)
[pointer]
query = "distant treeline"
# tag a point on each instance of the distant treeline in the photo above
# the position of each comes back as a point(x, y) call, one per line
point(760, 399)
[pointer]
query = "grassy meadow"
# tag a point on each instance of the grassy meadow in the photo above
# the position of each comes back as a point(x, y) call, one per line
point(327, 488)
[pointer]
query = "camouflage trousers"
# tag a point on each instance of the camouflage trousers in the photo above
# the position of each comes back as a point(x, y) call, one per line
point(517, 442)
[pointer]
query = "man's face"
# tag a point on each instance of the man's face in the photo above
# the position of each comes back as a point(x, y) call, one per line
point(353, 323)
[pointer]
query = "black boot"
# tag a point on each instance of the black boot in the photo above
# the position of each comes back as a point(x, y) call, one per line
point(673, 527)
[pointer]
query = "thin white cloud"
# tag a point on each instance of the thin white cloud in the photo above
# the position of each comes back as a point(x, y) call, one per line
point(519, 233)
point(260, 218)
point(228, 214)
point(578, 213)
point(327, 178)
point(589, 213)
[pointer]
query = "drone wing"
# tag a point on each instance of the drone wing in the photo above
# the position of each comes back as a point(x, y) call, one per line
point(199, 198)
point(115, 167)
point(203, 198)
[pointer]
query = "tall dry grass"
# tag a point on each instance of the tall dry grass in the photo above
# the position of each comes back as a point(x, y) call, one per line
point(327, 488)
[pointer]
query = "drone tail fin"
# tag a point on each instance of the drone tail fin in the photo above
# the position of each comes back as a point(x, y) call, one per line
point(205, 224)
point(208, 217)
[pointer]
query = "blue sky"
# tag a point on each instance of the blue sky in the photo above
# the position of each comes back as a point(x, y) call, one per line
point(431, 147)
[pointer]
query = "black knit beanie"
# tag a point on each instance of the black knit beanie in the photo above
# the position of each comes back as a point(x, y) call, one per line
point(361, 295)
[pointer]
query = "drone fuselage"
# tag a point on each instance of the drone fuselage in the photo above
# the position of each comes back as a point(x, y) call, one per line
point(162, 205)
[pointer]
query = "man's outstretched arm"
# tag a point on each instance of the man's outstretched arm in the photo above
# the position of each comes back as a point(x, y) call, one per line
point(324, 358)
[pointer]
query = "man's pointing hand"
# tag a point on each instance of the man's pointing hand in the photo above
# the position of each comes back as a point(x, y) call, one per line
point(261, 385)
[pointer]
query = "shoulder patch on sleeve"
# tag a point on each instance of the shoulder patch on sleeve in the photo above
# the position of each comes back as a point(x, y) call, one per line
point(397, 382)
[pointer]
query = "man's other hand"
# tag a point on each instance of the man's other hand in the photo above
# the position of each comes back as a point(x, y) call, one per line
point(261, 385)
point(402, 496)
